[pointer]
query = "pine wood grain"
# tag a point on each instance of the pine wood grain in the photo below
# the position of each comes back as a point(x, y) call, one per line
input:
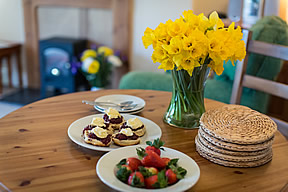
point(37, 155)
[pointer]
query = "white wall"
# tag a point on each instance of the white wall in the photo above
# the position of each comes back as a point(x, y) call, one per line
point(150, 13)
point(12, 29)
point(12, 24)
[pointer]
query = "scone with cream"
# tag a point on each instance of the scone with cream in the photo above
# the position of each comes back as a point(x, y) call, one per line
point(113, 117)
point(126, 137)
point(99, 122)
point(135, 125)
point(98, 136)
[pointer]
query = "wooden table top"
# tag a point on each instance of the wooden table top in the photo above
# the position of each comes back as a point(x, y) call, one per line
point(36, 153)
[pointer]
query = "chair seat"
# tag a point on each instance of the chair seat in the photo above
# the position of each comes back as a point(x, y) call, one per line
point(146, 80)
point(221, 91)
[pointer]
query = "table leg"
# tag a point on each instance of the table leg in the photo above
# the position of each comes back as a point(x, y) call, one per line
point(9, 65)
point(19, 64)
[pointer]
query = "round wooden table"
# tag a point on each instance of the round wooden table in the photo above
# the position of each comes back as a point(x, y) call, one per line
point(36, 153)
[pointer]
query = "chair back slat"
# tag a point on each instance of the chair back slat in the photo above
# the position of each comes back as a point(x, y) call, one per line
point(267, 86)
point(240, 69)
point(273, 50)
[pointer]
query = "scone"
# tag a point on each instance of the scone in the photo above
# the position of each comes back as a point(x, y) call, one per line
point(126, 137)
point(99, 122)
point(98, 136)
point(113, 117)
point(135, 125)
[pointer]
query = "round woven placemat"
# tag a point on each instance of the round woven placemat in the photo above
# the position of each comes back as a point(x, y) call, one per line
point(230, 158)
point(248, 164)
point(238, 124)
point(213, 147)
point(235, 146)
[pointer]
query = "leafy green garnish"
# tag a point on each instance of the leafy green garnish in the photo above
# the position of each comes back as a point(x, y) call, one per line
point(123, 174)
point(157, 143)
point(122, 162)
point(145, 172)
point(162, 180)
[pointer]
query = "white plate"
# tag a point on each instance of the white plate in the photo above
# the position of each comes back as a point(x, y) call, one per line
point(106, 164)
point(121, 112)
point(153, 131)
point(121, 98)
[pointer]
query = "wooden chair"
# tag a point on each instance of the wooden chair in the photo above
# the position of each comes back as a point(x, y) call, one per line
point(241, 79)
point(7, 50)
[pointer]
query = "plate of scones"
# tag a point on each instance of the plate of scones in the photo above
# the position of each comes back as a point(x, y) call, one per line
point(112, 130)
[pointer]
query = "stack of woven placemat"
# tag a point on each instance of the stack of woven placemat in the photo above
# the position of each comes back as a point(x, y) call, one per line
point(235, 136)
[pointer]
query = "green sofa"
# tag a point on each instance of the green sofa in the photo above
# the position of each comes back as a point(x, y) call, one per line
point(270, 29)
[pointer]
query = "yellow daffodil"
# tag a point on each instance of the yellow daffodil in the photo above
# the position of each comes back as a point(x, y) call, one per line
point(194, 40)
point(177, 28)
point(215, 22)
point(167, 64)
point(186, 61)
point(159, 54)
point(105, 50)
point(88, 53)
point(94, 67)
point(148, 38)
point(175, 46)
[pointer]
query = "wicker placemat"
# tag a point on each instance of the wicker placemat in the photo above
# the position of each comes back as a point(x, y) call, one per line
point(213, 147)
point(235, 146)
point(247, 164)
point(230, 158)
point(238, 124)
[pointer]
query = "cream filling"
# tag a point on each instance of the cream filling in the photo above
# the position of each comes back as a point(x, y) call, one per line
point(98, 121)
point(127, 132)
point(99, 132)
point(112, 113)
point(134, 123)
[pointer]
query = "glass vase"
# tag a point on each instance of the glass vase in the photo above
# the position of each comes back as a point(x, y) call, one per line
point(187, 102)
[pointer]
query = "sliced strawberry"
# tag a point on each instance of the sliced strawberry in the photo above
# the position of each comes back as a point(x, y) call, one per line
point(172, 177)
point(136, 179)
point(134, 163)
point(155, 146)
point(150, 158)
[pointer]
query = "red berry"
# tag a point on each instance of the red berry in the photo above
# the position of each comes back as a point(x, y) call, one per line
point(136, 179)
point(133, 163)
point(166, 160)
point(151, 148)
point(172, 177)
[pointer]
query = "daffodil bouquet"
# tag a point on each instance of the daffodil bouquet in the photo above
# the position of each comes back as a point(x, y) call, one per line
point(190, 46)
point(97, 63)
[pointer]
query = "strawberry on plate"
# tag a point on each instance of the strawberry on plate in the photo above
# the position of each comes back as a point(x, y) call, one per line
point(148, 171)
point(136, 179)
point(156, 181)
point(172, 177)
point(150, 158)
point(134, 163)
point(155, 146)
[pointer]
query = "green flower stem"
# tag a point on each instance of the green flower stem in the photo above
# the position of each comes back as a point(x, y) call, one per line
point(187, 103)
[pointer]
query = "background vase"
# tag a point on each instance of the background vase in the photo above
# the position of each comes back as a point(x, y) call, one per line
point(187, 102)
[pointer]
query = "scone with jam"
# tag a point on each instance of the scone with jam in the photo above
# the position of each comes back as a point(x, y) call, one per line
point(126, 137)
point(113, 117)
point(98, 136)
point(135, 125)
point(99, 122)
